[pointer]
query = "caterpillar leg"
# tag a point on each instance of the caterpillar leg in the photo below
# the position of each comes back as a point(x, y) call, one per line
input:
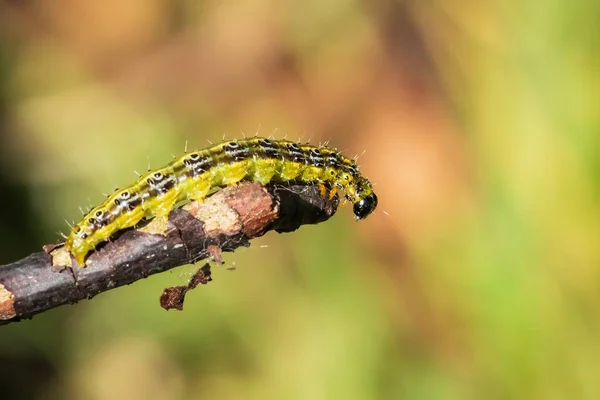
point(231, 174)
point(158, 226)
point(333, 192)
point(344, 202)
point(324, 189)
point(161, 221)
point(264, 170)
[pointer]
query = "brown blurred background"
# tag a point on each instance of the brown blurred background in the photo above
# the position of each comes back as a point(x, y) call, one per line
point(478, 276)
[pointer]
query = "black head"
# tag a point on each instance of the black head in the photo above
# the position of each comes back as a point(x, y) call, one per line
point(365, 206)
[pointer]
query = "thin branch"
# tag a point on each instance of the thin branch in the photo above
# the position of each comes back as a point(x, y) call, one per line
point(223, 222)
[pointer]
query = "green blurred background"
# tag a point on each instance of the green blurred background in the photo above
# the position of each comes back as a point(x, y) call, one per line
point(479, 276)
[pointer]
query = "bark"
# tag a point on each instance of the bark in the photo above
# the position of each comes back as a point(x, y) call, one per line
point(223, 222)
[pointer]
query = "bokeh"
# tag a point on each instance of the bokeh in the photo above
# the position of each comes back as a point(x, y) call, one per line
point(477, 277)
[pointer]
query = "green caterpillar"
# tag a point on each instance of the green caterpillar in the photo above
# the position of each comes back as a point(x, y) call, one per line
point(193, 176)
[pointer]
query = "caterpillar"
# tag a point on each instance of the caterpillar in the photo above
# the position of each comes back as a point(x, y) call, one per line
point(194, 175)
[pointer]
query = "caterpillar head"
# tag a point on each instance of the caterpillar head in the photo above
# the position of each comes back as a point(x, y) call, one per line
point(365, 205)
point(365, 201)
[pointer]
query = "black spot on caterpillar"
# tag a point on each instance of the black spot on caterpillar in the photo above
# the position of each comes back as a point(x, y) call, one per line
point(193, 175)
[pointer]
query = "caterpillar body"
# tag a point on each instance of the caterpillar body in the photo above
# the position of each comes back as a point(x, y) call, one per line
point(194, 175)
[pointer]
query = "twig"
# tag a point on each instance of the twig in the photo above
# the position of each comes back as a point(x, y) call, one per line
point(228, 219)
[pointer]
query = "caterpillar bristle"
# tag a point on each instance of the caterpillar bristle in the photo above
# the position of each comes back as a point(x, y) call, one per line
point(356, 157)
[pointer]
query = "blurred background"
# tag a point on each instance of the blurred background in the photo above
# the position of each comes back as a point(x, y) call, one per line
point(478, 276)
